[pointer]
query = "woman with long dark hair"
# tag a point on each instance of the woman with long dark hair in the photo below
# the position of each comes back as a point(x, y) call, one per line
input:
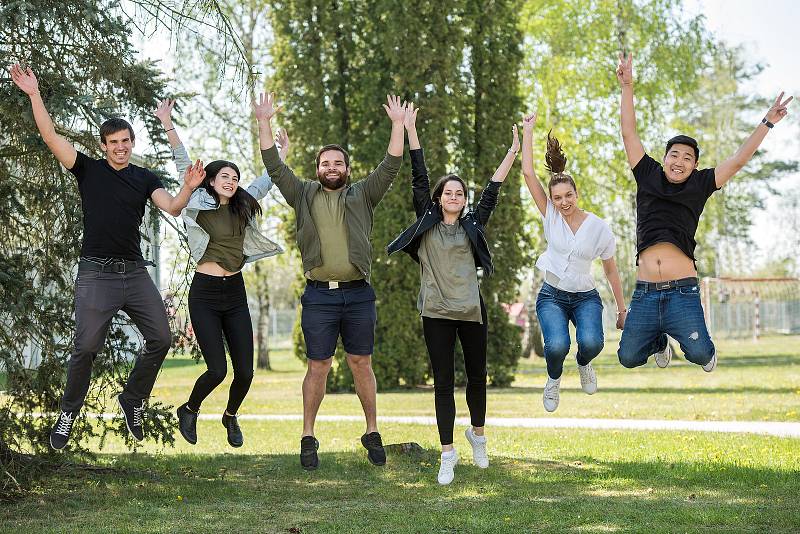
point(450, 247)
point(574, 239)
point(223, 236)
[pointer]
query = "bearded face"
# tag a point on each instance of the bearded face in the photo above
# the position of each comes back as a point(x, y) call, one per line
point(332, 171)
point(332, 178)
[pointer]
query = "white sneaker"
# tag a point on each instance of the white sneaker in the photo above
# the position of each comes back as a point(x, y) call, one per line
point(478, 443)
point(550, 397)
point(665, 356)
point(710, 366)
point(588, 379)
point(447, 467)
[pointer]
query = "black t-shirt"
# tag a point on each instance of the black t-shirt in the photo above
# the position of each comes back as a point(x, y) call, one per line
point(668, 212)
point(113, 206)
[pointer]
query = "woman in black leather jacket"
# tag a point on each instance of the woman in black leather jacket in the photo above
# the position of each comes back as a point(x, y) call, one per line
point(450, 246)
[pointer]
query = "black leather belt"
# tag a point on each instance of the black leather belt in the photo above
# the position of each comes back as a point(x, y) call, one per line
point(118, 267)
point(669, 284)
point(336, 285)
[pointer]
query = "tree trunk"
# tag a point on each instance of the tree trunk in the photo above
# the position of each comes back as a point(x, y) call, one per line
point(262, 331)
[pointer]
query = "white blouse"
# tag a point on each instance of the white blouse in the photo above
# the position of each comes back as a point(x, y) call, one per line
point(569, 255)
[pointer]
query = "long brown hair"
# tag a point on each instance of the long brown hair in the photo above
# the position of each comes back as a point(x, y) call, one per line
point(555, 161)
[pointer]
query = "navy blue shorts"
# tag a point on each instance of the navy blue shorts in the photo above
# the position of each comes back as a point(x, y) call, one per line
point(329, 313)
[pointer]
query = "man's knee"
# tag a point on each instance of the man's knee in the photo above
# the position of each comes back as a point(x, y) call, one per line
point(361, 364)
point(160, 342)
point(700, 352)
point(319, 367)
point(630, 359)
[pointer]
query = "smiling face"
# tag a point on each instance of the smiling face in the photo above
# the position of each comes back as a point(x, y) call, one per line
point(564, 198)
point(332, 170)
point(453, 198)
point(225, 184)
point(118, 147)
point(679, 162)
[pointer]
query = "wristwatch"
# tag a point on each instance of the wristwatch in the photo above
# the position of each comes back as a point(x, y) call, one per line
point(767, 123)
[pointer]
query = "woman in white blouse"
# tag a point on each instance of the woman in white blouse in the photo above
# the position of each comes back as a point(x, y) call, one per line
point(574, 239)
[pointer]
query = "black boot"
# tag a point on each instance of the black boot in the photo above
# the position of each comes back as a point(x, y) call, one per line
point(187, 423)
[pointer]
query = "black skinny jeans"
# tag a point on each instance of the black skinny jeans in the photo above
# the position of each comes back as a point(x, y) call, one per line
point(440, 338)
point(218, 308)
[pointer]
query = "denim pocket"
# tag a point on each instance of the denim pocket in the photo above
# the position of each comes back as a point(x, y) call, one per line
point(689, 290)
point(637, 294)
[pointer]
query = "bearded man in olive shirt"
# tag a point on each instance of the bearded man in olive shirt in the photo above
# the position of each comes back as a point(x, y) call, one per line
point(334, 221)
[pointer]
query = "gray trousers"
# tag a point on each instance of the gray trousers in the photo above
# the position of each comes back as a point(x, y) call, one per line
point(98, 297)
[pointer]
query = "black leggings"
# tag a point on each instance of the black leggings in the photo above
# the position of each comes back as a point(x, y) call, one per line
point(218, 307)
point(440, 338)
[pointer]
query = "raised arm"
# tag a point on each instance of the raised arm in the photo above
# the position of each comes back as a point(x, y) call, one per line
point(630, 138)
point(192, 178)
point(180, 154)
point(531, 180)
point(289, 184)
point(612, 274)
point(488, 199)
point(62, 149)
point(282, 140)
point(378, 182)
point(725, 170)
point(420, 183)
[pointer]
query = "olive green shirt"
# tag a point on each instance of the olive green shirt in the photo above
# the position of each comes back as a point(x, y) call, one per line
point(226, 239)
point(449, 286)
point(327, 212)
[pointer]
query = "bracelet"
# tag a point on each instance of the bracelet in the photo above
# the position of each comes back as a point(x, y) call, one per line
point(165, 131)
point(515, 152)
point(621, 312)
point(766, 123)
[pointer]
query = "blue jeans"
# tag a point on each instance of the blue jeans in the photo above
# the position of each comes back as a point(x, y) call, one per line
point(555, 309)
point(653, 314)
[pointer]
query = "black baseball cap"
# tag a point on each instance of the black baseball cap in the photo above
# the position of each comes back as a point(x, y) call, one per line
point(684, 140)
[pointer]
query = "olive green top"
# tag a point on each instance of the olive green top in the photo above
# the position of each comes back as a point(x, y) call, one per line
point(226, 239)
point(449, 286)
point(327, 212)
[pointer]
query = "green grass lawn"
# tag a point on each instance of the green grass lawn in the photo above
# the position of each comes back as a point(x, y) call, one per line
point(539, 480)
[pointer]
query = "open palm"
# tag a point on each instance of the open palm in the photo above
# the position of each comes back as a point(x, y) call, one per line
point(265, 107)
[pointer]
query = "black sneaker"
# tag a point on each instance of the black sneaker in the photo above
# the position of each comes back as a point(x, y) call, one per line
point(308, 453)
point(372, 442)
point(132, 411)
point(187, 423)
point(231, 424)
point(61, 430)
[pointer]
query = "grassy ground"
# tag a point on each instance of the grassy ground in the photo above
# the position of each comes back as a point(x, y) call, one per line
point(551, 480)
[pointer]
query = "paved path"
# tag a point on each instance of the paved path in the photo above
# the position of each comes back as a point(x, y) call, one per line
point(782, 429)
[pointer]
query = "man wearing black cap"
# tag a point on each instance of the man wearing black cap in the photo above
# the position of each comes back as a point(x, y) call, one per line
point(670, 197)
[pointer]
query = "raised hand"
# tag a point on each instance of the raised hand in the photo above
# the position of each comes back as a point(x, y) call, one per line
point(515, 140)
point(625, 69)
point(528, 122)
point(194, 175)
point(164, 110)
point(410, 116)
point(395, 108)
point(265, 107)
point(282, 139)
point(778, 109)
point(24, 79)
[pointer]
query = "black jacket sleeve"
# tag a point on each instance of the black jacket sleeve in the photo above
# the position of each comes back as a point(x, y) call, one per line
point(420, 183)
point(487, 202)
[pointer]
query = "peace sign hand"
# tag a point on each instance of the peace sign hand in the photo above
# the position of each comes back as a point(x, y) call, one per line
point(625, 69)
point(778, 109)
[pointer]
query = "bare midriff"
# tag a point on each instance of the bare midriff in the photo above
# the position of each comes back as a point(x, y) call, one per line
point(213, 268)
point(662, 262)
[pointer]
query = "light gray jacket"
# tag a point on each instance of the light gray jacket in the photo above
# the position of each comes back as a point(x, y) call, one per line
point(256, 245)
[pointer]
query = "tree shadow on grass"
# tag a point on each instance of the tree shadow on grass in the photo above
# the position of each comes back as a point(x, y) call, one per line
point(271, 493)
point(677, 390)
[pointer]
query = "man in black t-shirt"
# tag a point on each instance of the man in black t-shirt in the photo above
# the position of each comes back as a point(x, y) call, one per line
point(670, 198)
point(111, 273)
